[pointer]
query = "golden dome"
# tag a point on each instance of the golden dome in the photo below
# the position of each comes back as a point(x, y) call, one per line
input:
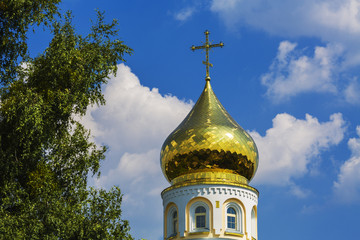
point(209, 146)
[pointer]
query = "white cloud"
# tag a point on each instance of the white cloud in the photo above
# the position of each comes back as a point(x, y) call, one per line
point(320, 18)
point(298, 191)
point(338, 15)
point(132, 168)
point(335, 22)
point(347, 186)
point(291, 73)
point(285, 48)
point(133, 124)
point(291, 145)
point(134, 117)
point(352, 91)
point(184, 14)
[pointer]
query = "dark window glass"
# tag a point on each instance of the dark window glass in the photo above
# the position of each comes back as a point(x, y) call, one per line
point(231, 218)
point(200, 209)
point(231, 222)
point(175, 222)
point(175, 227)
point(200, 221)
point(231, 210)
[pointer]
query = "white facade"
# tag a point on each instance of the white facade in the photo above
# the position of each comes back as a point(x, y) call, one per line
point(202, 211)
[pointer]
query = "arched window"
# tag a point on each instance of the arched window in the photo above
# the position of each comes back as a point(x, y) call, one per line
point(231, 218)
point(200, 217)
point(234, 218)
point(174, 222)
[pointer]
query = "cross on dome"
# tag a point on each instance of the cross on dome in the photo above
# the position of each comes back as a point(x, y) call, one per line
point(207, 46)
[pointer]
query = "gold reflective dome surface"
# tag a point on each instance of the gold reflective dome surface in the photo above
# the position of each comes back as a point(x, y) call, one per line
point(209, 146)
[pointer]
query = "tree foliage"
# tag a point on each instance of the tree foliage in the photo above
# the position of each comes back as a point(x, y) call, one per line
point(16, 17)
point(46, 155)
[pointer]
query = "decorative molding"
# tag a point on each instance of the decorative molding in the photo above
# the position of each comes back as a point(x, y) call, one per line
point(214, 190)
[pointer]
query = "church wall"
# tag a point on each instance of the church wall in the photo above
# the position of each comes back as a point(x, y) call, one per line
point(216, 197)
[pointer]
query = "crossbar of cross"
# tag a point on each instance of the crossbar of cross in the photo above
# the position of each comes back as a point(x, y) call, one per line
point(207, 46)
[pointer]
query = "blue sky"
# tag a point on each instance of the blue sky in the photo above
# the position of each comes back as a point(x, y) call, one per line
point(289, 74)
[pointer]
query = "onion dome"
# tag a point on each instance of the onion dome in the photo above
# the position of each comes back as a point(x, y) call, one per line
point(209, 147)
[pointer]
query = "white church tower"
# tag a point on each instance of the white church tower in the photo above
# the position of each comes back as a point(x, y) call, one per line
point(209, 161)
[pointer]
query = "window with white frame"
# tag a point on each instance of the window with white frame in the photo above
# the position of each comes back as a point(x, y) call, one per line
point(172, 222)
point(199, 217)
point(233, 218)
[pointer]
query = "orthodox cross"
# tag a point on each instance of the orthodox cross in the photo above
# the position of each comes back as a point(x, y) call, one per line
point(207, 46)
